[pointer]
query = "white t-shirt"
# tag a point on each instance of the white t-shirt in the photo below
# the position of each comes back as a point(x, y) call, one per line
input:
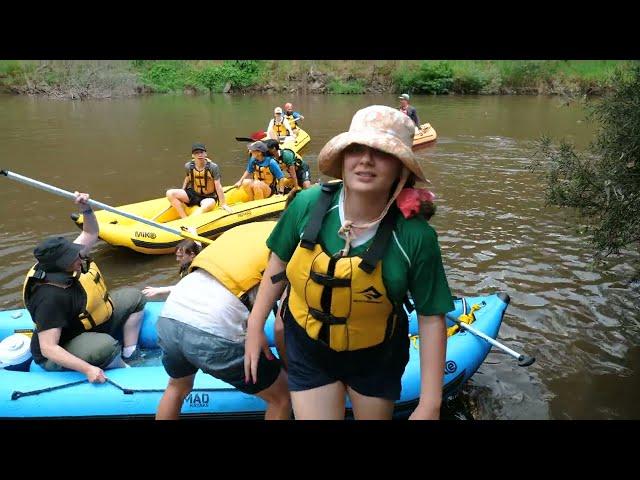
point(365, 235)
point(201, 301)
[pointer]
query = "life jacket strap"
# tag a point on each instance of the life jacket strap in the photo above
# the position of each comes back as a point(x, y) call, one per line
point(327, 318)
point(278, 277)
point(310, 235)
point(330, 281)
point(378, 247)
point(86, 315)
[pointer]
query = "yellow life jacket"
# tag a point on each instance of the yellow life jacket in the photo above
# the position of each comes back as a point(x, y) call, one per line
point(264, 174)
point(279, 129)
point(98, 307)
point(242, 270)
point(200, 179)
point(341, 301)
point(292, 121)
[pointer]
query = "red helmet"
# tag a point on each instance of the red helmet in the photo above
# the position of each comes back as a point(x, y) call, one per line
point(288, 106)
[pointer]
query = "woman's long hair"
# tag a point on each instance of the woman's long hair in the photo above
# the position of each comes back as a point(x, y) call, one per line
point(188, 247)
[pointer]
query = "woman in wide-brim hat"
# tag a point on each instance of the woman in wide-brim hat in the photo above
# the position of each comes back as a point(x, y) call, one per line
point(352, 250)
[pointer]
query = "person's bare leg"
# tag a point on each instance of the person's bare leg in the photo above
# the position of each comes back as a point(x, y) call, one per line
point(178, 197)
point(207, 205)
point(321, 403)
point(277, 398)
point(247, 187)
point(370, 408)
point(131, 329)
point(260, 190)
point(171, 402)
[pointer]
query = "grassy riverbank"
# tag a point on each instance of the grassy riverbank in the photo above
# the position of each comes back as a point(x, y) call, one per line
point(103, 79)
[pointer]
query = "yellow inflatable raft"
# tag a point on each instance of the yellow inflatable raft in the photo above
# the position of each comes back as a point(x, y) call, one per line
point(302, 140)
point(427, 134)
point(123, 232)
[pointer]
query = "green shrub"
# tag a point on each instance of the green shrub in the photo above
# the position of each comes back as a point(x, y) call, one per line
point(602, 184)
point(429, 77)
point(470, 82)
point(239, 73)
point(349, 87)
point(167, 76)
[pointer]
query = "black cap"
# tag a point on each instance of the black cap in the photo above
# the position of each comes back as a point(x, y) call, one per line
point(271, 143)
point(57, 253)
point(198, 146)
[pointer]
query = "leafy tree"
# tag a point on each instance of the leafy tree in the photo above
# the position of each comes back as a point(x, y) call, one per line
point(603, 183)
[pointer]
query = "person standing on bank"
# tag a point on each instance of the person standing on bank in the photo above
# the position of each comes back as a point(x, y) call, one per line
point(201, 185)
point(350, 258)
point(78, 321)
point(409, 110)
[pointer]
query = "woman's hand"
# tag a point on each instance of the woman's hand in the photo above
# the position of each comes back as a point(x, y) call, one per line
point(255, 342)
point(95, 375)
point(151, 292)
point(425, 412)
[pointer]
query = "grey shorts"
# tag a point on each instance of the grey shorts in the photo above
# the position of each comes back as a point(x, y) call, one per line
point(186, 349)
point(102, 344)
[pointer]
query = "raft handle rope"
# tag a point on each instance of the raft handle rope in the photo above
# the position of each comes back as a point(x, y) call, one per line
point(127, 391)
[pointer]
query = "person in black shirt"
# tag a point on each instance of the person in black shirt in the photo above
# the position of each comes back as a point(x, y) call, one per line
point(79, 323)
point(409, 110)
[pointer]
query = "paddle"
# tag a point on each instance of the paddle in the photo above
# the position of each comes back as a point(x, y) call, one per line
point(63, 193)
point(523, 360)
point(255, 136)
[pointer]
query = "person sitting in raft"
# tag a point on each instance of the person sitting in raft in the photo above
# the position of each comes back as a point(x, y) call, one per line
point(292, 164)
point(201, 185)
point(186, 251)
point(292, 117)
point(409, 110)
point(267, 176)
point(279, 128)
point(351, 251)
point(203, 323)
point(80, 324)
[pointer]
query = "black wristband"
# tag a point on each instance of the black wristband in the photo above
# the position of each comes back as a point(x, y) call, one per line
point(88, 211)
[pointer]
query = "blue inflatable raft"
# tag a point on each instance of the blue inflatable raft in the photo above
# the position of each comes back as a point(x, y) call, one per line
point(135, 392)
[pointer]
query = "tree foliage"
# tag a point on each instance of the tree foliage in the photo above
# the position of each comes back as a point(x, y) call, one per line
point(603, 183)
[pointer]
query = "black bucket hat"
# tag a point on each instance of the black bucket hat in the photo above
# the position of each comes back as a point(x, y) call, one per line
point(57, 253)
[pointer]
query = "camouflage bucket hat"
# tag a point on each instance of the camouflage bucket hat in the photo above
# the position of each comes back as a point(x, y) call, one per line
point(380, 127)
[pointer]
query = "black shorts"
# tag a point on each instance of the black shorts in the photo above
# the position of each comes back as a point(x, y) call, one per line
point(195, 198)
point(303, 174)
point(374, 372)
